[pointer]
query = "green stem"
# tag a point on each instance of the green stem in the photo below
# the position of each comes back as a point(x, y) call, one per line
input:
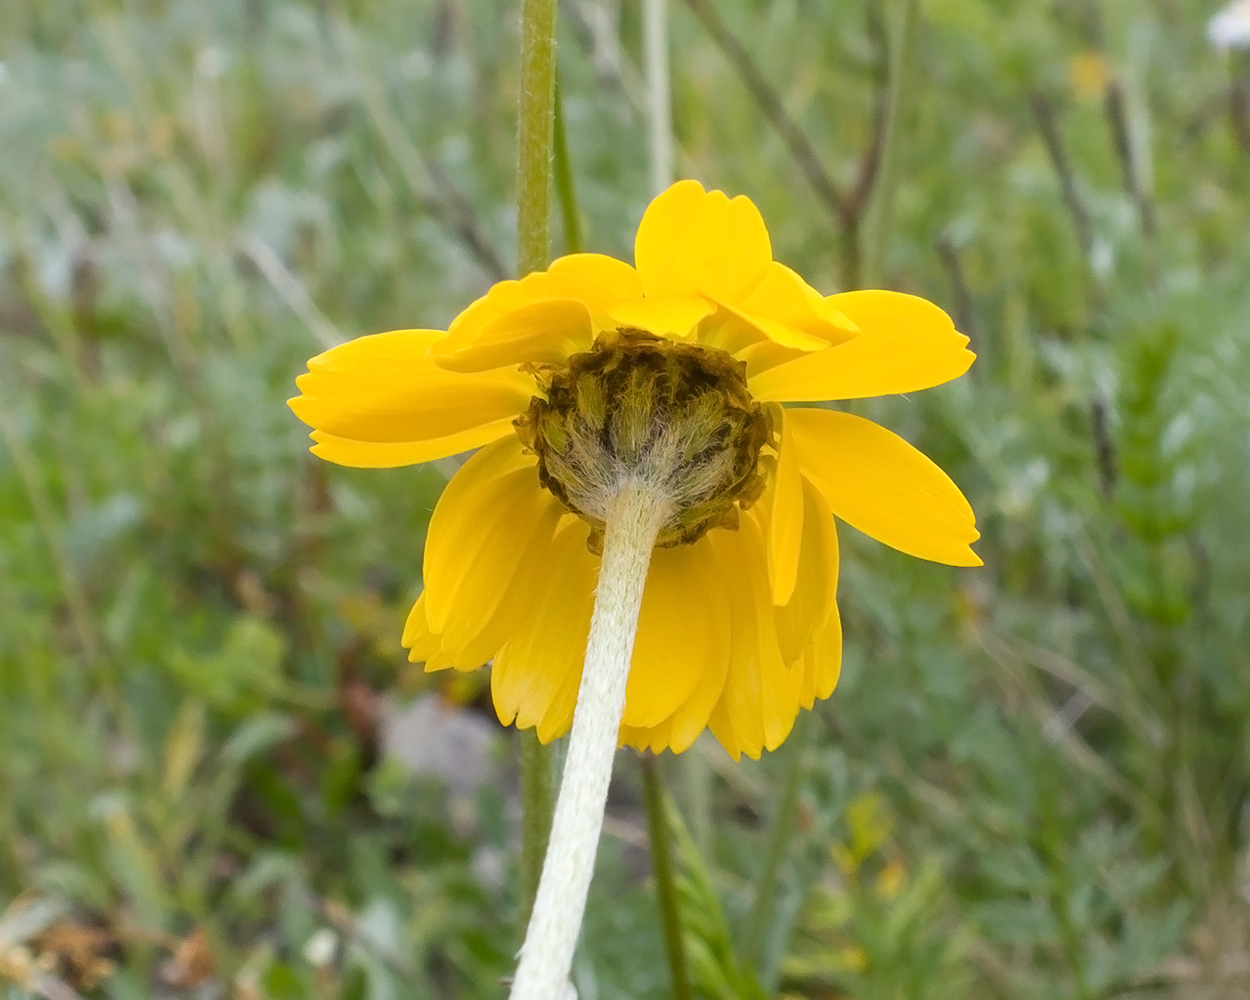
point(662, 868)
point(535, 121)
point(757, 936)
point(659, 93)
point(536, 794)
point(880, 219)
point(535, 126)
point(565, 189)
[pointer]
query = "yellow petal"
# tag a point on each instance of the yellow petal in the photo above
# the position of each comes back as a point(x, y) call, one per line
point(423, 645)
point(674, 318)
point(535, 676)
point(594, 280)
point(392, 454)
point(788, 311)
point(547, 331)
point(822, 662)
point(470, 503)
point(683, 635)
point(420, 642)
point(761, 694)
point(784, 297)
point(693, 242)
point(498, 559)
point(783, 505)
point(907, 344)
point(802, 617)
point(657, 739)
point(880, 484)
point(385, 389)
point(777, 331)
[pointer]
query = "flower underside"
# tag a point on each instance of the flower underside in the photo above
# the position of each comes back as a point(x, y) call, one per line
point(676, 419)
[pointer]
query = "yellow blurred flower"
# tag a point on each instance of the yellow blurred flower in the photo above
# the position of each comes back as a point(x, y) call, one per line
point(1088, 74)
point(677, 367)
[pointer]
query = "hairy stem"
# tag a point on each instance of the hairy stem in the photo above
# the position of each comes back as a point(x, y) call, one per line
point(631, 527)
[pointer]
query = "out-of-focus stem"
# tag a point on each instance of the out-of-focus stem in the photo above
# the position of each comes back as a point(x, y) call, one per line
point(659, 92)
point(566, 190)
point(535, 125)
point(662, 869)
point(762, 910)
point(535, 119)
point(536, 793)
point(881, 213)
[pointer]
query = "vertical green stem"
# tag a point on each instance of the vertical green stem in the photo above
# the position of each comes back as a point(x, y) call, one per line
point(535, 124)
point(757, 936)
point(566, 192)
point(536, 793)
point(881, 215)
point(659, 92)
point(662, 868)
point(535, 120)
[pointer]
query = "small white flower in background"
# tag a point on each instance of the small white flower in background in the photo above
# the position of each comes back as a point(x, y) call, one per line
point(211, 62)
point(320, 948)
point(1230, 28)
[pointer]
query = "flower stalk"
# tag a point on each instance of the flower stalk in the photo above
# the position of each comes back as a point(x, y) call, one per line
point(535, 128)
point(881, 213)
point(635, 516)
point(665, 882)
point(535, 121)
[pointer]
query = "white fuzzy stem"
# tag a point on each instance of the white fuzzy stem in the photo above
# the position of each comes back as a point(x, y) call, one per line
point(633, 521)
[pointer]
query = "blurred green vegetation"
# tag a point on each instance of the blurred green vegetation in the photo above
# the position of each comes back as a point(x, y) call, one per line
point(1032, 781)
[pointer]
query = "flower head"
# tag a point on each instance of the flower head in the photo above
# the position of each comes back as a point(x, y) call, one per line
point(671, 374)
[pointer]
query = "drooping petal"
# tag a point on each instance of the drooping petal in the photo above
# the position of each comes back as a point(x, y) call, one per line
point(675, 318)
point(679, 731)
point(385, 390)
point(500, 562)
point(783, 296)
point(423, 645)
point(392, 454)
point(594, 280)
point(535, 676)
point(760, 700)
point(491, 480)
point(696, 242)
point(822, 662)
point(813, 598)
point(657, 739)
point(788, 311)
point(907, 344)
point(777, 331)
point(547, 331)
point(783, 509)
point(880, 484)
point(682, 645)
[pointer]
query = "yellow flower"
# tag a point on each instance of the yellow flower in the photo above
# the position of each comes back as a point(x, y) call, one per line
point(675, 369)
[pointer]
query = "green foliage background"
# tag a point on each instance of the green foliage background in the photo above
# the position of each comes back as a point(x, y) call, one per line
point(1032, 779)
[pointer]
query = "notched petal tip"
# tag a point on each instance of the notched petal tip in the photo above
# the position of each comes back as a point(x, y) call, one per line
point(691, 241)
